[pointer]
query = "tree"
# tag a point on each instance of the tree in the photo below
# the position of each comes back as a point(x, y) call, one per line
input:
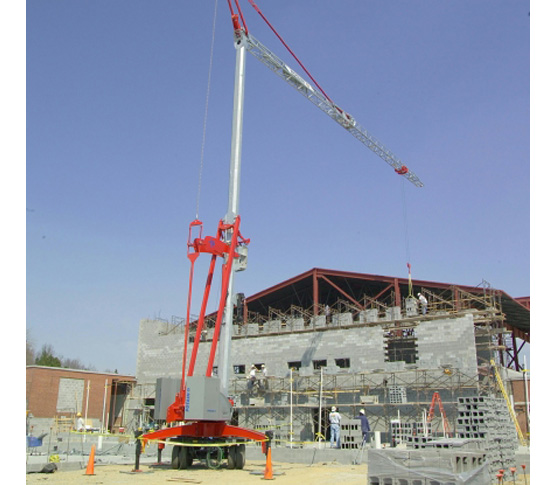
point(47, 358)
point(73, 364)
point(30, 351)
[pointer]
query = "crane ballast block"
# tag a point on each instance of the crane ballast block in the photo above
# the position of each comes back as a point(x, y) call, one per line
point(204, 400)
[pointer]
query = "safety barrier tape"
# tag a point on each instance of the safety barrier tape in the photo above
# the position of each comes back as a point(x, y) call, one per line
point(202, 445)
point(168, 441)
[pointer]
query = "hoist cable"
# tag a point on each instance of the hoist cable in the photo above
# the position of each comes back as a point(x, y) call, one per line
point(407, 245)
point(206, 109)
point(405, 221)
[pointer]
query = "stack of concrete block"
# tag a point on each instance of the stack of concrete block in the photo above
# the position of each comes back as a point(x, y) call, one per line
point(393, 313)
point(424, 467)
point(252, 329)
point(368, 316)
point(351, 435)
point(272, 326)
point(294, 324)
point(488, 419)
point(415, 434)
point(341, 319)
point(465, 444)
point(411, 307)
point(318, 321)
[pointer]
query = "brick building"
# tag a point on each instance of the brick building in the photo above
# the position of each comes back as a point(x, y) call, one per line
point(58, 394)
point(520, 388)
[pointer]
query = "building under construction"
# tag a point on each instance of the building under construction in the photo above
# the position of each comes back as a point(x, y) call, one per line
point(354, 340)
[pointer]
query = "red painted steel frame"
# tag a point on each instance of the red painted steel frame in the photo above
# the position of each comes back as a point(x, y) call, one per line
point(205, 429)
point(217, 247)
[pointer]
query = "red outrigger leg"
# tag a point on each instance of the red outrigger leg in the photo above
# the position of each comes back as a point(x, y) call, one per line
point(217, 247)
point(204, 429)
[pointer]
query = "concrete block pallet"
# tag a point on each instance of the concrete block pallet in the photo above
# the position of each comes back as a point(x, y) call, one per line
point(487, 419)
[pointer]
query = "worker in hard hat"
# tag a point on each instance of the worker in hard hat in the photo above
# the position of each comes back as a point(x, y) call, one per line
point(335, 428)
point(80, 426)
point(423, 303)
point(252, 380)
point(364, 426)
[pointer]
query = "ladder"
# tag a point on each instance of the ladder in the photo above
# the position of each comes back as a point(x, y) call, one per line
point(509, 407)
point(437, 399)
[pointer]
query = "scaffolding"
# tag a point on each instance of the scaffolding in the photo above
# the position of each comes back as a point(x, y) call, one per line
point(296, 407)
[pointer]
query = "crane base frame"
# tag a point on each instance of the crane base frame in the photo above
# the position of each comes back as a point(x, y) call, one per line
point(206, 429)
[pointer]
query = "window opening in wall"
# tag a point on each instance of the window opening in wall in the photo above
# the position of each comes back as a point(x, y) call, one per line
point(317, 364)
point(294, 364)
point(239, 369)
point(343, 363)
point(401, 345)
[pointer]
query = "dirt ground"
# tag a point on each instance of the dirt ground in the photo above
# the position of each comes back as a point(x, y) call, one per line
point(283, 473)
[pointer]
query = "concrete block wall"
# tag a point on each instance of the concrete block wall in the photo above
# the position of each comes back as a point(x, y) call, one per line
point(447, 342)
point(159, 353)
point(444, 342)
point(303, 425)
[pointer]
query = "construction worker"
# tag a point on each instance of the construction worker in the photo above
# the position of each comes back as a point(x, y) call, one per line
point(139, 447)
point(80, 423)
point(423, 303)
point(252, 377)
point(335, 428)
point(364, 426)
point(264, 377)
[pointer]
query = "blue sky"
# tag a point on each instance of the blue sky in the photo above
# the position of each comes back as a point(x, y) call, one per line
point(115, 102)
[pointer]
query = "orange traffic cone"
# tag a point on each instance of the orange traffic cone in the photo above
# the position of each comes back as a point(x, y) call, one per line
point(90, 466)
point(268, 472)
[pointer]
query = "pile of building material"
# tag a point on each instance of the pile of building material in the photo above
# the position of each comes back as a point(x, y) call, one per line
point(415, 434)
point(487, 419)
point(419, 467)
